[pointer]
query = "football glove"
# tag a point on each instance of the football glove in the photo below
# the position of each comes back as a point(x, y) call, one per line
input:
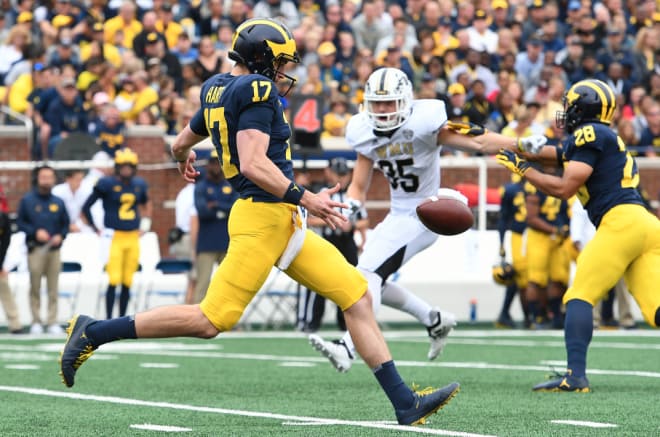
point(470, 129)
point(512, 161)
point(354, 211)
point(532, 144)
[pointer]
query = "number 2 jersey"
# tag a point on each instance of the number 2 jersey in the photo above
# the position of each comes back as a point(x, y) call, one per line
point(410, 158)
point(120, 200)
point(234, 103)
point(614, 179)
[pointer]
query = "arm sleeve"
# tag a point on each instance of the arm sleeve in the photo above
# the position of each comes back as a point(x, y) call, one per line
point(23, 222)
point(198, 125)
point(87, 206)
point(203, 211)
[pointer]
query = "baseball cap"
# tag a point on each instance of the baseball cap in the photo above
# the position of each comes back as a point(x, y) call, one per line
point(339, 165)
point(574, 5)
point(445, 21)
point(456, 88)
point(535, 4)
point(24, 17)
point(152, 37)
point(499, 4)
point(326, 48)
point(479, 14)
point(97, 27)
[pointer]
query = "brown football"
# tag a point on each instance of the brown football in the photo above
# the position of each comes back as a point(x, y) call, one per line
point(445, 215)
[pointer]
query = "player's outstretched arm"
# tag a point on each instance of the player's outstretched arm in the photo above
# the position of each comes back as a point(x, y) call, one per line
point(475, 139)
point(361, 179)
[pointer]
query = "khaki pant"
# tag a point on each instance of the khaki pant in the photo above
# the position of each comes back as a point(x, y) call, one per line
point(621, 297)
point(204, 268)
point(9, 304)
point(44, 263)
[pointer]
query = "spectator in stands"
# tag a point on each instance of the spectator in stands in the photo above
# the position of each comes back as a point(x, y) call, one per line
point(109, 130)
point(145, 96)
point(184, 50)
point(168, 27)
point(98, 47)
point(183, 237)
point(64, 52)
point(481, 37)
point(209, 25)
point(6, 296)
point(464, 15)
point(125, 24)
point(44, 219)
point(530, 62)
point(156, 49)
point(499, 15)
point(475, 70)
point(334, 122)
point(284, 11)
point(73, 194)
point(394, 58)
point(535, 19)
point(238, 11)
point(209, 61)
point(214, 197)
point(149, 30)
point(402, 31)
point(12, 51)
point(368, 28)
point(651, 134)
point(477, 108)
point(327, 53)
point(457, 97)
point(65, 115)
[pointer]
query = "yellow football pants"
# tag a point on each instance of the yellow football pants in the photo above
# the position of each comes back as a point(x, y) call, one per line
point(546, 259)
point(258, 234)
point(627, 243)
point(124, 257)
point(519, 259)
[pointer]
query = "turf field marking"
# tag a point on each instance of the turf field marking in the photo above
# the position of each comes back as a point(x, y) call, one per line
point(22, 367)
point(296, 364)
point(244, 413)
point(585, 423)
point(537, 343)
point(164, 428)
point(159, 365)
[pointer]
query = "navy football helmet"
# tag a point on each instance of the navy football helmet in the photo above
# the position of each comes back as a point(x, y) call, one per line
point(264, 46)
point(503, 273)
point(587, 100)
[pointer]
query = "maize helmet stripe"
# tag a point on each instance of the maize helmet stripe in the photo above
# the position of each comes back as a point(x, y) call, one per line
point(601, 91)
point(612, 101)
point(290, 44)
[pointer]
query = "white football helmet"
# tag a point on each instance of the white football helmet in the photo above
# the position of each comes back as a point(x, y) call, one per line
point(388, 84)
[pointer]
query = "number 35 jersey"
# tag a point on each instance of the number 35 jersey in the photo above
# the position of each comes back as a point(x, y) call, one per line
point(614, 179)
point(410, 158)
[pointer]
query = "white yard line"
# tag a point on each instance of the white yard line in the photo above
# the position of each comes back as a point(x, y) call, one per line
point(255, 414)
point(585, 423)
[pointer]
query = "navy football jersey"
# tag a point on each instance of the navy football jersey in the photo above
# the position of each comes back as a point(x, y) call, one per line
point(552, 210)
point(615, 177)
point(120, 201)
point(513, 212)
point(234, 103)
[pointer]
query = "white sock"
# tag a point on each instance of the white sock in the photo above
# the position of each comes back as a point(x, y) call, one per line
point(397, 297)
point(374, 282)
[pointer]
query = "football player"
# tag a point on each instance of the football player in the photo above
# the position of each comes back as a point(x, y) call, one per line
point(128, 215)
point(401, 137)
point(603, 174)
point(242, 114)
point(513, 217)
point(548, 264)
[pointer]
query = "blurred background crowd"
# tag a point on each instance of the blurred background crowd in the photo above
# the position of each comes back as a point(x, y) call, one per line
point(97, 66)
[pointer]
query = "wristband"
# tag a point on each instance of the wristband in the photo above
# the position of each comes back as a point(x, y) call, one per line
point(293, 193)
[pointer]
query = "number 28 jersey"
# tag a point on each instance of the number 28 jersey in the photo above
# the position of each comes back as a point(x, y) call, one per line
point(614, 179)
point(410, 158)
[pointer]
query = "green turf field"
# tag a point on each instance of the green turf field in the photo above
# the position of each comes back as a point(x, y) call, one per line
point(273, 383)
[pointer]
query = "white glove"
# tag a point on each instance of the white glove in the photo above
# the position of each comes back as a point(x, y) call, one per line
point(353, 212)
point(532, 144)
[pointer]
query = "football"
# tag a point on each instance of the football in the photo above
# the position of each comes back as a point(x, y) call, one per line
point(445, 215)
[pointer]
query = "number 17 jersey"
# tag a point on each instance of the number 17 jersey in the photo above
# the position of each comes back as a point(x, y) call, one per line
point(409, 158)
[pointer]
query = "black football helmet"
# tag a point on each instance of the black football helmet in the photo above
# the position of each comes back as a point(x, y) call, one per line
point(587, 100)
point(264, 46)
point(503, 273)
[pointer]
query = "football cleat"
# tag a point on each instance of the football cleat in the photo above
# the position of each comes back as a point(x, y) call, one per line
point(426, 402)
point(77, 349)
point(566, 382)
point(505, 322)
point(336, 351)
point(439, 331)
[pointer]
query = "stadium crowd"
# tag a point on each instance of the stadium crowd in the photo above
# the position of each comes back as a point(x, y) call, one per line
point(98, 66)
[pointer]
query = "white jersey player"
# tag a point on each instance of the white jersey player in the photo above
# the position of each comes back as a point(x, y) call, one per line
point(401, 137)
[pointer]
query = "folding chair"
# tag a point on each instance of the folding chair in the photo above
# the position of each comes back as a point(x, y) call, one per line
point(72, 271)
point(168, 269)
point(275, 305)
point(134, 295)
